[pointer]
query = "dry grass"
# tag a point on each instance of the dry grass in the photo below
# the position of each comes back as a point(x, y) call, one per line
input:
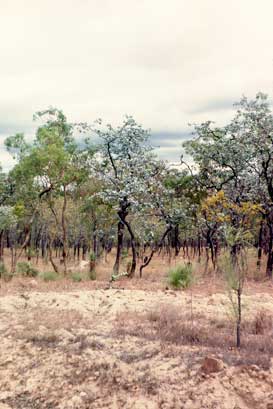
point(26, 401)
point(170, 326)
point(45, 328)
point(52, 319)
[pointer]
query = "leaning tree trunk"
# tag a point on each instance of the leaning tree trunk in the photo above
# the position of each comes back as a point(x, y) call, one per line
point(133, 247)
point(147, 260)
point(122, 214)
point(55, 268)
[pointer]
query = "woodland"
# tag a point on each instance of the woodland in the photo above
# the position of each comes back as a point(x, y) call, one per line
point(109, 193)
point(131, 282)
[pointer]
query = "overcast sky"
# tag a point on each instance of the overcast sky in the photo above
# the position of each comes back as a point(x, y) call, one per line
point(167, 63)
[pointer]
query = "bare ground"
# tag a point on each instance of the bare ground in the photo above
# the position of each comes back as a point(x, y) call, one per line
point(123, 348)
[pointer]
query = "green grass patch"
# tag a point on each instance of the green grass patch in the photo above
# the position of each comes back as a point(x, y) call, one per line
point(49, 276)
point(180, 276)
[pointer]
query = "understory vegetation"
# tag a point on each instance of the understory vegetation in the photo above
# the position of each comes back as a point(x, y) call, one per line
point(83, 192)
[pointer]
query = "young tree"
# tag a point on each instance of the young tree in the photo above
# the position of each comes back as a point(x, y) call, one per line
point(235, 268)
point(50, 167)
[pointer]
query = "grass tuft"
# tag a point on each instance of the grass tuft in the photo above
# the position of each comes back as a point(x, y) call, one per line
point(180, 276)
point(49, 276)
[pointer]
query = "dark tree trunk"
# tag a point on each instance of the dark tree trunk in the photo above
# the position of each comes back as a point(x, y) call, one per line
point(269, 264)
point(64, 253)
point(260, 244)
point(1, 245)
point(119, 247)
point(122, 216)
point(84, 250)
point(147, 260)
point(199, 248)
point(239, 319)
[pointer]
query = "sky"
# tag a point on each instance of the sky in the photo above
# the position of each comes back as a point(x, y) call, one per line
point(167, 63)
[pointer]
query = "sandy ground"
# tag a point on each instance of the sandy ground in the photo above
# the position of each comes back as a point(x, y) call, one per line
point(95, 349)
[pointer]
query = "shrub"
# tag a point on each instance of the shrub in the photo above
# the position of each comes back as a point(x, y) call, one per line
point(124, 253)
point(4, 274)
point(92, 256)
point(30, 252)
point(3, 270)
point(180, 276)
point(26, 269)
point(49, 276)
point(77, 277)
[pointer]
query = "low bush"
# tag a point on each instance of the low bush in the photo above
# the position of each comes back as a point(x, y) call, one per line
point(4, 274)
point(3, 270)
point(92, 256)
point(124, 253)
point(26, 269)
point(49, 276)
point(77, 277)
point(180, 276)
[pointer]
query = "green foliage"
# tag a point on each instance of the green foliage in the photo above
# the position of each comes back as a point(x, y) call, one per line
point(3, 270)
point(31, 252)
point(92, 256)
point(19, 209)
point(26, 269)
point(124, 253)
point(4, 273)
point(49, 276)
point(77, 277)
point(180, 276)
point(7, 217)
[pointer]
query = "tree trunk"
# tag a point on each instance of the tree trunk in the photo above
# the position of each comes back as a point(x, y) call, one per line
point(133, 247)
point(51, 258)
point(147, 260)
point(95, 241)
point(119, 247)
point(64, 232)
point(269, 265)
point(1, 245)
point(23, 246)
point(260, 242)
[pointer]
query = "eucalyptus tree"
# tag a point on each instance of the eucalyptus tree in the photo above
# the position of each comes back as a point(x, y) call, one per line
point(49, 168)
point(128, 171)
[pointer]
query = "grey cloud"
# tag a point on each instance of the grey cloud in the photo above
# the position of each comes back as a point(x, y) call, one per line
point(166, 63)
point(214, 105)
point(168, 139)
